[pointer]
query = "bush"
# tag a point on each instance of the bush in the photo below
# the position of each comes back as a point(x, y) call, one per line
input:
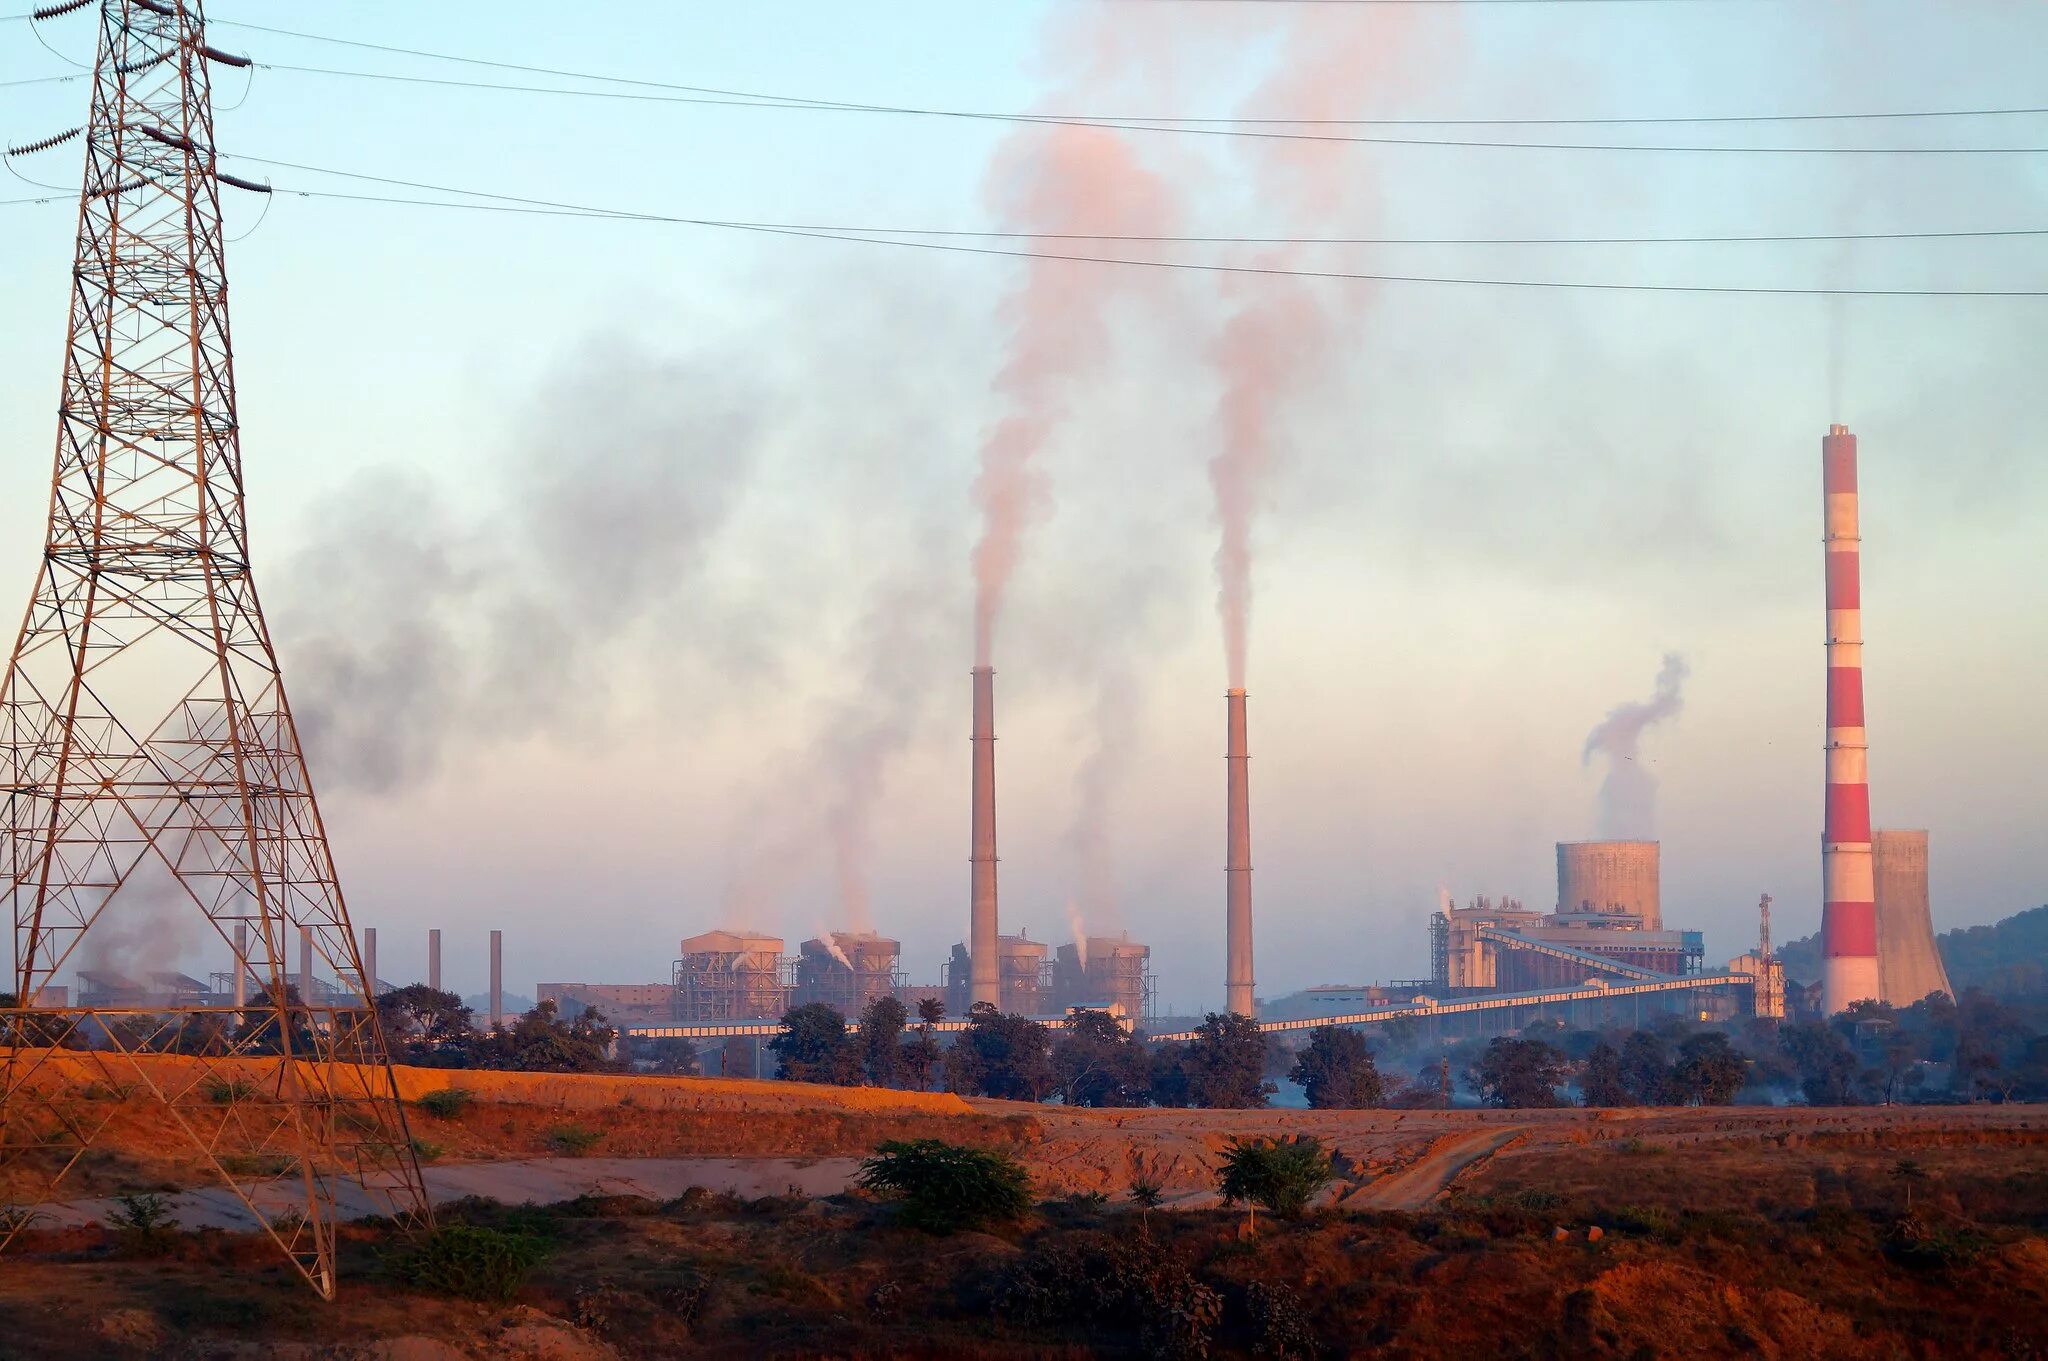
point(1112, 1286)
point(145, 1222)
point(1282, 1175)
point(1914, 1243)
point(446, 1104)
point(222, 1091)
point(573, 1141)
point(426, 1150)
point(1280, 1325)
point(1643, 1221)
point(945, 1187)
point(471, 1263)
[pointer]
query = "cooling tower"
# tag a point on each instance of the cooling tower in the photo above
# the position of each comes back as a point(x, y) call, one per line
point(1238, 993)
point(1908, 964)
point(1610, 877)
point(987, 984)
point(1848, 914)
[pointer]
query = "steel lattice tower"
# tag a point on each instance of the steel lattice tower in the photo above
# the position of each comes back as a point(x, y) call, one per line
point(152, 768)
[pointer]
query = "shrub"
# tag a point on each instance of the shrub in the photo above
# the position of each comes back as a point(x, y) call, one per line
point(470, 1263)
point(1643, 1221)
point(426, 1150)
point(1112, 1286)
point(572, 1141)
point(256, 1164)
point(1280, 1324)
point(446, 1104)
point(145, 1222)
point(1283, 1175)
point(222, 1091)
point(1912, 1242)
point(945, 1187)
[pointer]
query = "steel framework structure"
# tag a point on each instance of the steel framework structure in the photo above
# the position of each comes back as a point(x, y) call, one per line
point(151, 762)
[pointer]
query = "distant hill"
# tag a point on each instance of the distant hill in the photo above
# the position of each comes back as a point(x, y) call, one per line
point(2006, 959)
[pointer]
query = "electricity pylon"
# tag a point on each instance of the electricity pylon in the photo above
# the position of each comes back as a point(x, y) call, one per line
point(152, 769)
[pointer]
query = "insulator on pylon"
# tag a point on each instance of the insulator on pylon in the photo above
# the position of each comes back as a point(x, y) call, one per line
point(123, 188)
point(141, 64)
point(56, 11)
point(225, 178)
point(224, 58)
point(168, 11)
point(33, 147)
point(159, 135)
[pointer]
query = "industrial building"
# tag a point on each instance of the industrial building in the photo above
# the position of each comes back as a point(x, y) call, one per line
point(1024, 972)
point(729, 976)
point(1104, 973)
point(847, 970)
point(621, 1004)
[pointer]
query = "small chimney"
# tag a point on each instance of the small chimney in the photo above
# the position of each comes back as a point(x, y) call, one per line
point(497, 977)
point(306, 965)
point(370, 965)
point(434, 959)
point(241, 964)
point(1239, 993)
point(1848, 915)
point(983, 940)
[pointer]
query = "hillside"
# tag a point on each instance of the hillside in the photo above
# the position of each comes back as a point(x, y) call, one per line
point(2006, 959)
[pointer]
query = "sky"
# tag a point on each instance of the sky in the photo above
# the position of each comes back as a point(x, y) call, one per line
point(620, 571)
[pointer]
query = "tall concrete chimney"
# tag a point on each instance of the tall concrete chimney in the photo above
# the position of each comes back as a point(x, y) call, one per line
point(1848, 915)
point(370, 964)
point(497, 977)
point(1238, 996)
point(434, 959)
point(982, 937)
point(241, 964)
point(306, 965)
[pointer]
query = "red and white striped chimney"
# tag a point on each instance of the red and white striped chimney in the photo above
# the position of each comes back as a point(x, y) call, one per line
point(1238, 993)
point(1848, 917)
point(986, 978)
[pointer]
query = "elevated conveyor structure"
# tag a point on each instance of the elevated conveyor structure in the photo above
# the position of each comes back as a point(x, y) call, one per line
point(1603, 963)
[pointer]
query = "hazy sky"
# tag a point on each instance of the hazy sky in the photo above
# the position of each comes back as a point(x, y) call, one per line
point(620, 570)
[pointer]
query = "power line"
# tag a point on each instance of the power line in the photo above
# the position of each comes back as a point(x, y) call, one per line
point(514, 202)
point(1233, 126)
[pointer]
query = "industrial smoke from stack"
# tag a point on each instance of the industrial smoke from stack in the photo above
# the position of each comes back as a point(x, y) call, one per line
point(1628, 793)
point(1239, 997)
point(1848, 915)
point(982, 933)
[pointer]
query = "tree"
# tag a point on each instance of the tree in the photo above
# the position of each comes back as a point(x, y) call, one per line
point(1096, 1062)
point(1646, 1069)
point(427, 1026)
point(881, 1040)
point(1898, 1062)
point(1519, 1073)
point(258, 1031)
point(1166, 1076)
point(813, 1046)
point(1226, 1064)
point(736, 1058)
point(667, 1057)
point(1709, 1072)
point(1146, 1195)
point(1908, 1171)
point(1007, 1057)
point(540, 1041)
point(1826, 1068)
point(921, 1055)
point(945, 1187)
point(1600, 1081)
point(1283, 1175)
point(1337, 1071)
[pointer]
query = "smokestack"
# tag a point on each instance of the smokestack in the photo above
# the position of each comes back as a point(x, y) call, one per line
point(434, 959)
point(241, 965)
point(1237, 865)
point(370, 964)
point(986, 976)
point(497, 977)
point(306, 965)
point(1848, 915)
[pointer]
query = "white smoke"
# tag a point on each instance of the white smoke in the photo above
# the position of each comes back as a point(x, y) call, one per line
point(1628, 793)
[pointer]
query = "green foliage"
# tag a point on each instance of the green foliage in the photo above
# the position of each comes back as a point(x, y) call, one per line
point(1007, 1057)
point(1224, 1067)
point(1520, 1073)
point(540, 1041)
point(813, 1046)
point(223, 1091)
point(1645, 1070)
point(881, 1040)
point(1113, 1288)
point(1709, 1072)
point(946, 1187)
point(1279, 1175)
point(666, 1056)
point(470, 1262)
point(573, 1141)
point(446, 1104)
point(1146, 1195)
point(426, 1150)
point(1098, 1063)
point(1280, 1322)
point(1337, 1071)
point(1914, 1243)
point(256, 1164)
point(1823, 1061)
point(146, 1223)
point(1600, 1079)
point(426, 1026)
point(1642, 1221)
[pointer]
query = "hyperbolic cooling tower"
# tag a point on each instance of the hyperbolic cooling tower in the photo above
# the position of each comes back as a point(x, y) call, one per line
point(1908, 964)
point(1238, 990)
point(1848, 915)
point(985, 965)
point(1610, 876)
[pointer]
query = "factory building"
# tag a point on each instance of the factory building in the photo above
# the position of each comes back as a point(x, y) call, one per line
point(847, 970)
point(622, 1004)
point(1024, 970)
point(1112, 972)
point(729, 976)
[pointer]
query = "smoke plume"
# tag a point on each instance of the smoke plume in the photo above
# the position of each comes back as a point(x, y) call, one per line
point(1628, 792)
point(416, 628)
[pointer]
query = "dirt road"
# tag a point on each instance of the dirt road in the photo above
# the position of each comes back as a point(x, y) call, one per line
point(1415, 1186)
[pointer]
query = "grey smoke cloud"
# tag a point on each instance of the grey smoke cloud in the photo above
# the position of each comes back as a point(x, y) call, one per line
point(1628, 792)
point(415, 627)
